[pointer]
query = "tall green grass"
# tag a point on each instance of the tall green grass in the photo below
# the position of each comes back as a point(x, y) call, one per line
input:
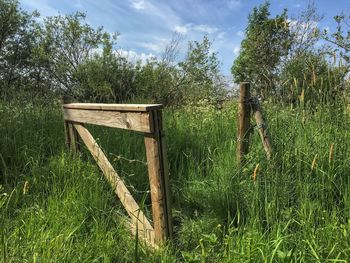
point(58, 208)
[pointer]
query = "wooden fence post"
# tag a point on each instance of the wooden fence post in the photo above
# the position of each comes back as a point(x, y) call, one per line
point(244, 110)
point(261, 126)
point(72, 137)
point(159, 179)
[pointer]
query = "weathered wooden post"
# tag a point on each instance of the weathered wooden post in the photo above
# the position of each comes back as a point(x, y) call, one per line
point(261, 126)
point(244, 111)
point(72, 137)
point(159, 179)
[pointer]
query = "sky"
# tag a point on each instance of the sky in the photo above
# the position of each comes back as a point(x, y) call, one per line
point(146, 26)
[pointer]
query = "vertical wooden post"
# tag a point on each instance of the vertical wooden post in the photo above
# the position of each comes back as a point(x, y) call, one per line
point(262, 128)
point(159, 179)
point(72, 137)
point(244, 109)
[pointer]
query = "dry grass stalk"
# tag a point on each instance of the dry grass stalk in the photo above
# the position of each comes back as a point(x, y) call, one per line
point(314, 163)
point(256, 170)
point(302, 96)
point(331, 152)
point(25, 187)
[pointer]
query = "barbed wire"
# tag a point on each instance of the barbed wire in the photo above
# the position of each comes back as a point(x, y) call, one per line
point(119, 157)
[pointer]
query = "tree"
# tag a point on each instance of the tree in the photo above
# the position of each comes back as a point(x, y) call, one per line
point(201, 72)
point(106, 76)
point(341, 38)
point(65, 43)
point(307, 71)
point(267, 41)
point(304, 31)
point(156, 79)
point(18, 36)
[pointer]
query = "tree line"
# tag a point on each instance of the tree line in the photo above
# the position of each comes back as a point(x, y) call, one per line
point(293, 60)
point(286, 60)
point(49, 57)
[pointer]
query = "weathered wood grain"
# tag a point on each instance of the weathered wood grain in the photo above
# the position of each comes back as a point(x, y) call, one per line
point(262, 128)
point(244, 110)
point(72, 137)
point(114, 107)
point(159, 183)
point(136, 121)
point(138, 219)
point(166, 174)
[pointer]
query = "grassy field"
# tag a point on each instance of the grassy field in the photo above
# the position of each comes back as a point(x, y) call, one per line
point(59, 208)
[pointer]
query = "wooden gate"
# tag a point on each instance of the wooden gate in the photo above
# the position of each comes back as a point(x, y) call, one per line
point(145, 118)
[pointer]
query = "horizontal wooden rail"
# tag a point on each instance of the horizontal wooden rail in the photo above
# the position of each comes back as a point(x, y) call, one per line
point(135, 121)
point(114, 107)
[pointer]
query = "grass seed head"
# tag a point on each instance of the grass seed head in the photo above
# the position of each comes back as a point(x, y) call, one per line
point(303, 119)
point(314, 162)
point(25, 187)
point(302, 96)
point(331, 152)
point(256, 170)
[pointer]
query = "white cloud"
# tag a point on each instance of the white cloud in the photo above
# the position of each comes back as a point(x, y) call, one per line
point(155, 47)
point(236, 50)
point(233, 4)
point(297, 25)
point(181, 29)
point(205, 29)
point(157, 44)
point(240, 33)
point(161, 10)
point(221, 35)
point(302, 29)
point(202, 28)
point(138, 5)
point(133, 56)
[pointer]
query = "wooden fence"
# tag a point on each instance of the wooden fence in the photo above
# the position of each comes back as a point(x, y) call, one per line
point(145, 118)
point(246, 106)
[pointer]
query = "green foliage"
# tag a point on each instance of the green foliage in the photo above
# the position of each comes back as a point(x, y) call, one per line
point(196, 78)
point(156, 81)
point(267, 41)
point(17, 41)
point(282, 60)
point(65, 43)
point(341, 38)
point(201, 72)
point(309, 75)
point(294, 211)
point(63, 55)
point(106, 77)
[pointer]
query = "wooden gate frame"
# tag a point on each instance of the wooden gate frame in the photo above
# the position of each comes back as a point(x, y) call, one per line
point(145, 118)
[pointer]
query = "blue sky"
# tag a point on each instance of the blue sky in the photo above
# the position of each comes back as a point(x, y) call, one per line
point(146, 26)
